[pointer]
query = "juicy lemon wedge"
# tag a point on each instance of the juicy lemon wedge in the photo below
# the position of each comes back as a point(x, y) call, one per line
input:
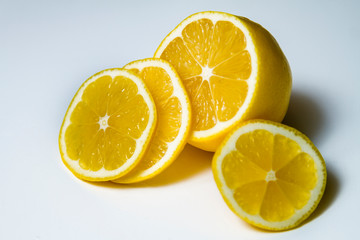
point(174, 118)
point(107, 126)
point(269, 174)
point(232, 69)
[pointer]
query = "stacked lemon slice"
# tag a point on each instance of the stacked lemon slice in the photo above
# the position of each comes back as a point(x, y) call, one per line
point(174, 117)
point(103, 135)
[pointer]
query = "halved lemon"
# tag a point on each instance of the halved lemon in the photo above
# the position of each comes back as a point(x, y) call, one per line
point(232, 69)
point(174, 118)
point(269, 174)
point(107, 126)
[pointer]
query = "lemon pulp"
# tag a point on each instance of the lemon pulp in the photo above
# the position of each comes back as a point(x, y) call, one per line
point(105, 124)
point(213, 63)
point(169, 114)
point(269, 174)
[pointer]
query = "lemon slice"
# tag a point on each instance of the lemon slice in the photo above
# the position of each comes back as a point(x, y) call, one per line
point(107, 126)
point(232, 69)
point(269, 174)
point(174, 116)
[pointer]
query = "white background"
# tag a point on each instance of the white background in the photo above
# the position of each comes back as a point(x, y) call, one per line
point(47, 49)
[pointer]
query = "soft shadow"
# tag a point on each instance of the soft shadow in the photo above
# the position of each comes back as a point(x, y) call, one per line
point(306, 115)
point(332, 190)
point(189, 163)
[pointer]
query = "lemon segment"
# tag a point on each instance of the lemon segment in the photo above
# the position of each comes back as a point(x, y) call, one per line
point(233, 70)
point(174, 118)
point(269, 174)
point(103, 135)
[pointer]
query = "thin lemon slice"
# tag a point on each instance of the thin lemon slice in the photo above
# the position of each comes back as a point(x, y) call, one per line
point(174, 117)
point(232, 69)
point(269, 174)
point(107, 126)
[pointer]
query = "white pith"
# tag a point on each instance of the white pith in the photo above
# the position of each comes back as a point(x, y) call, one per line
point(103, 173)
point(305, 147)
point(270, 176)
point(178, 92)
point(103, 122)
point(206, 73)
point(251, 81)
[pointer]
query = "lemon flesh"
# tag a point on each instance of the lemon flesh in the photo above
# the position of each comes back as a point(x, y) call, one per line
point(269, 174)
point(215, 75)
point(103, 134)
point(233, 70)
point(174, 117)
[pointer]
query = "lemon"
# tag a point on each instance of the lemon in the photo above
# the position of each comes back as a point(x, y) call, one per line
point(174, 118)
point(232, 69)
point(103, 136)
point(269, 174)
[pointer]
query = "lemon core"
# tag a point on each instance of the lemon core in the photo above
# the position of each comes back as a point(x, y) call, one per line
point(103, 122)
point(206, 73)
point(270, 176)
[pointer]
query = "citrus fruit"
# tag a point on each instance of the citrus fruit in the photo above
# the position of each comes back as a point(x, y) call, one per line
point(107, 126)
point(269, 174)
point(233, 70)
point(174, 116)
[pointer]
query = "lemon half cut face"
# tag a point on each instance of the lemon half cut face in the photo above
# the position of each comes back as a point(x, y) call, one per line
point(232, 69)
